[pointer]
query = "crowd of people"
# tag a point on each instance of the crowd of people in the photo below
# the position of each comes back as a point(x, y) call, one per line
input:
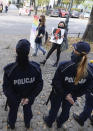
point(23, 82)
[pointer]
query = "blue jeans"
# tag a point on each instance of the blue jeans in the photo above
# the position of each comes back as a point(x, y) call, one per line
point(39, 46)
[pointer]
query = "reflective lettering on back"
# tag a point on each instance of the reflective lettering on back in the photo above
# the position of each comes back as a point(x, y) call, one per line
point(71, 80)
point(24, 81)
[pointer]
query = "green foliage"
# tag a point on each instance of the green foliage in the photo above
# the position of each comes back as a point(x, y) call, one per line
point(88, 4)
point(76, 9)
point(9, 2)
point(77, 2)
point(42, 2)
point(65, 1)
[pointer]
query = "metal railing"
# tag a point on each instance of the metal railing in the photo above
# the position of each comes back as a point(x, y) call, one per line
point(78, 35)
point(71, 34)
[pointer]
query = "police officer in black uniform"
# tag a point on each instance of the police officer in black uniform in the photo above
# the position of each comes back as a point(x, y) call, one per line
point(86, 113)
point(71, 80)
point(22, 82)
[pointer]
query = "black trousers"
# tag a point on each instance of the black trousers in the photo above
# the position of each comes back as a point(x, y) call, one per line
point(53, 48)
point(56, 103)
point(13, 109)
point(87, 108)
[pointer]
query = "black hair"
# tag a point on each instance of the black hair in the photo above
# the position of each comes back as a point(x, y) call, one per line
point(63, 23)
point(22, 60)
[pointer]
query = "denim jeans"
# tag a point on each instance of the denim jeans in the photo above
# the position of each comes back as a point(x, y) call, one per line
point(39, 46)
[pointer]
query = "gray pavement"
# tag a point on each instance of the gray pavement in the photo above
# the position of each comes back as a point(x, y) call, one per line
point(8, 42)
point(21, 23)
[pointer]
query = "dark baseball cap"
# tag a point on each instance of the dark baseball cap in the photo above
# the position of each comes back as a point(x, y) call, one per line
point(23, 46)
point(82, 47)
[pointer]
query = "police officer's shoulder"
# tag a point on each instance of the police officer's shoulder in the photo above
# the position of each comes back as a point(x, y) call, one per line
point(10, 67)
point(35, 65)
point(65, 65)
point(91, 65)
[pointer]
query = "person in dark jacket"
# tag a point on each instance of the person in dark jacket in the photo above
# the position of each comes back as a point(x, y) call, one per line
point(6, 8)
point(88, 108)
point(40, 35)
point(86, 113)
point(1, 7)
point(22, 82)
point(72, 79)
point(55, 45)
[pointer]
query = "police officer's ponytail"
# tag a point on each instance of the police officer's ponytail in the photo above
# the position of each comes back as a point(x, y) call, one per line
point(81, 69)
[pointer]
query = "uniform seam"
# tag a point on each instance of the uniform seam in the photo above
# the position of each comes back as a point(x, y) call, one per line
point(67, 67)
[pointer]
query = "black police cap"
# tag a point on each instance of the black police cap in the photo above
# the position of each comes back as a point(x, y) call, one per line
point(82, 47)
point(23, 46)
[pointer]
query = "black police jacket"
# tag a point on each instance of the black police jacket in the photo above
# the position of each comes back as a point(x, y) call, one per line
point(41, 30)
point(63, 81)
point(19, 83)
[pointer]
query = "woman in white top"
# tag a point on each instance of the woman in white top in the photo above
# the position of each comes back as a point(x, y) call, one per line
point(56, 39)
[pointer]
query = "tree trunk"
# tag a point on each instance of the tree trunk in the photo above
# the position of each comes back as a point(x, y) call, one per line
point(30, 2)
point(58, 2)
point(62, 3)
point(88, 34)
point(69, 10)
point(18, 1)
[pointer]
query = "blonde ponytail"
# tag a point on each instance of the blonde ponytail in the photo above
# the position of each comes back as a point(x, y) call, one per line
point(81, 69)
